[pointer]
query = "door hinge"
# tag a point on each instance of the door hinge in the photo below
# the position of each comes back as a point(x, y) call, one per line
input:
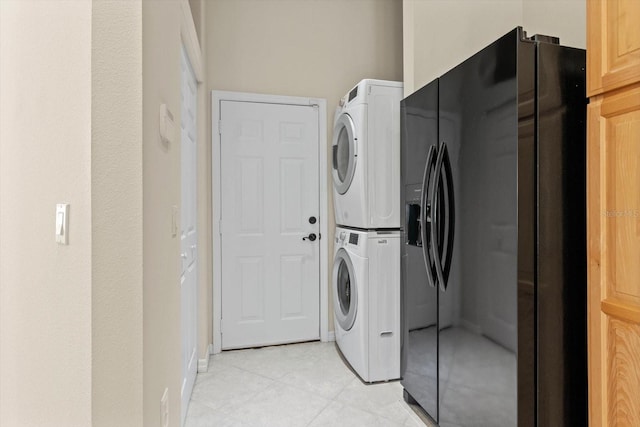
point(221, 326)
point(220, 127)
point(220, 227)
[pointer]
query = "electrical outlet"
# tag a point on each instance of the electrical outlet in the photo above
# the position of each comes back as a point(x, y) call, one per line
point(164, 409)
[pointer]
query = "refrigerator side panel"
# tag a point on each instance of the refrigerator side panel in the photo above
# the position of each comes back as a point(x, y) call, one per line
point(561, 263)
point(526, 234)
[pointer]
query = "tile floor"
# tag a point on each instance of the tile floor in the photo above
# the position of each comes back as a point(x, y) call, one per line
point(293, 385)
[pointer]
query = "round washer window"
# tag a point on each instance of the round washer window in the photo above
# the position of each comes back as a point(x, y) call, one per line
point(344, 154)
point(345, 290)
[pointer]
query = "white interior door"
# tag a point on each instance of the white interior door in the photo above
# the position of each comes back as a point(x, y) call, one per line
point(269, 208)
point(188, 234)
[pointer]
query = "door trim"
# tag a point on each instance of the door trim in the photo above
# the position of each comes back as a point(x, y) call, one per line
point(190, 40)
point(216, 98)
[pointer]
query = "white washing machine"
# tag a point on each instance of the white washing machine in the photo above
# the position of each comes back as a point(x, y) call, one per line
point(366, 156)
point(366, 290)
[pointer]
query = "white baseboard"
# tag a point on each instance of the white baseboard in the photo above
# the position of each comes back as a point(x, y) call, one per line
point(331, 336)
point(203, 364)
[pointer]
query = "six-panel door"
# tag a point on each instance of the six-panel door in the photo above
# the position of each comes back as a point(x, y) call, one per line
point(270, 190)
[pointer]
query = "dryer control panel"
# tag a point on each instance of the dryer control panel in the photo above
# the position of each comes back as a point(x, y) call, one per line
point(353, 238)
point(343, 238)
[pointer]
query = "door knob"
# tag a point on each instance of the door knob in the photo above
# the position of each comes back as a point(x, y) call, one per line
point(312, 220)
point(311, 237)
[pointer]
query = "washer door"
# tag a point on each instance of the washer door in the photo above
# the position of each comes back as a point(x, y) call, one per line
point(345, 302)
point(344, 153)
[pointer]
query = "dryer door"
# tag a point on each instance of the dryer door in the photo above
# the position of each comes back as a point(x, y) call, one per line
point(344, 153)
point(345, 291)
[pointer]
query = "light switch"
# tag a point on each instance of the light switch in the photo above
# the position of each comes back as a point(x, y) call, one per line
point(62, 223)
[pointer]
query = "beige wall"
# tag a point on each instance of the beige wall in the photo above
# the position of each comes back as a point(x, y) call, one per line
point(303, 48)
point(161, 46)
point(45, 154)
point(566, 19)
point(197, 11)
point(82, 334)
point(445, 32)
point(116, 213)
point(439, 34)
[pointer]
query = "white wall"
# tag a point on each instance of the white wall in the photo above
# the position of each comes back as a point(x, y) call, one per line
point(439, 34)
point(45, 158)
point(303, 48)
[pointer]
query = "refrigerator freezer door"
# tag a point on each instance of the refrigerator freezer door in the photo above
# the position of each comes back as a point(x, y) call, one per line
point(419, 127)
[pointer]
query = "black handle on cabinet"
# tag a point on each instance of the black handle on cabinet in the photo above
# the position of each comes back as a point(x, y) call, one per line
point(312, 220)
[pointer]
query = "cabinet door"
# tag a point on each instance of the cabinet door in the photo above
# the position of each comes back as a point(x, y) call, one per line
point(614, 258)
point(613, 40)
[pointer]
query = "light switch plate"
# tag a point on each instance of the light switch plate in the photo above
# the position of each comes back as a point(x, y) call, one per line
point(62, 223)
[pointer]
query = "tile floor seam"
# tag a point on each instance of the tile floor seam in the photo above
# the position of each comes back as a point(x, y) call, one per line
point(343, 388)
point(318, 414)
point(308, 391)
point(253, 372)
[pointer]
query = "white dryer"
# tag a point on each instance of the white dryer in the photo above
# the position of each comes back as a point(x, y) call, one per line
point(366, 289)
point(366, 156)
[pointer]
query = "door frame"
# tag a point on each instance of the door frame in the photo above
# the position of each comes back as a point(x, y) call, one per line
point(216, 98)
point(190, 44)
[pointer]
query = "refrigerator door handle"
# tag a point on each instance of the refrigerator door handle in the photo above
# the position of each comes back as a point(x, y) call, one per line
point(450, 216)
point(444, 248)
point(425, 216)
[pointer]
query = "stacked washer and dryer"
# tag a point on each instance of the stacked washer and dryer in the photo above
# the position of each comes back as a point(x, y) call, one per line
point(366, 197)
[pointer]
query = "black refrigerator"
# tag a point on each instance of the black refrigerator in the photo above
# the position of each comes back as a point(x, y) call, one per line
point(494, 238)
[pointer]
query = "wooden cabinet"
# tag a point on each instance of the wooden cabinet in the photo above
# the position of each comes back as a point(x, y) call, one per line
point(613, 44)
point(614, 258)
point(613, 156)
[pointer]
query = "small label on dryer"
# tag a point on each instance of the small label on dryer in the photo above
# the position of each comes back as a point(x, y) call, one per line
point(382, 241)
